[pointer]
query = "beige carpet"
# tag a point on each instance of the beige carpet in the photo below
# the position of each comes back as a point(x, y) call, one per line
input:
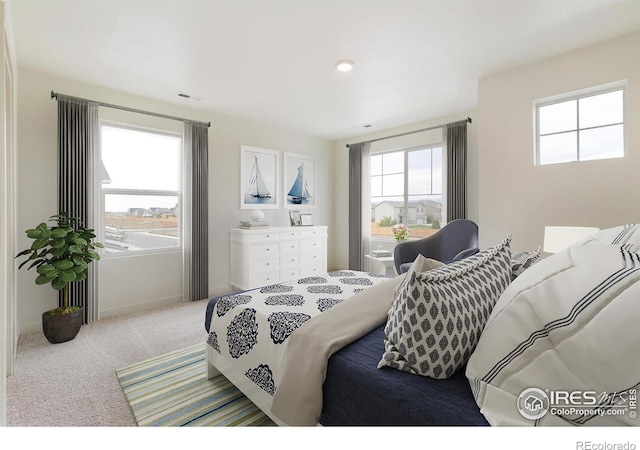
point(75, 383)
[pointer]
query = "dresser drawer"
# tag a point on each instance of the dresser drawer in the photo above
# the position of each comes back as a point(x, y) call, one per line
point(311, 258)
point(289, 274)
point(312, 233)
point(265, 279)
point(263, 250)
point(256, 237)
point(265, 265)
point(290, 247)
point(290, 261)
point(310, 245)
point(289, 235)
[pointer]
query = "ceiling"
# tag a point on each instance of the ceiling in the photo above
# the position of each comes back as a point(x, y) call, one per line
point(273, 61)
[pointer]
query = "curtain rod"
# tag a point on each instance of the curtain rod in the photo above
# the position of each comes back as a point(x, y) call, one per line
point(408, 132)
point(140, 111)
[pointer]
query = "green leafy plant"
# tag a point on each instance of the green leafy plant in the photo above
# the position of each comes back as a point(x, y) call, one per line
point(387, 221)
point(61, 254)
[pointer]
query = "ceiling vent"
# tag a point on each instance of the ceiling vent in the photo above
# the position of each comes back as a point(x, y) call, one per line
point(189, 96)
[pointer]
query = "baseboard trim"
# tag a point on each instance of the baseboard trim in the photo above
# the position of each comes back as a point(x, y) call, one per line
point(136, 307)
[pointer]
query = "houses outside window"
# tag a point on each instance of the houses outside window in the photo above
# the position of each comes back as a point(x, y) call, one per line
point(140, 189)
point(582, 126)
point(406, 187)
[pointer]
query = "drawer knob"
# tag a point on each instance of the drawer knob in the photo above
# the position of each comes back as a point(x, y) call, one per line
point(268, 264)
point(268, 235)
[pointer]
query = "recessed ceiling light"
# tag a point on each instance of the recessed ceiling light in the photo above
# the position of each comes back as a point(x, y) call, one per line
point(345, 65)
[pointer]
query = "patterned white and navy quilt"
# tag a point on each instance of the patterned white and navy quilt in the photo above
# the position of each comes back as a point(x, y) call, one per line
point(250, 329)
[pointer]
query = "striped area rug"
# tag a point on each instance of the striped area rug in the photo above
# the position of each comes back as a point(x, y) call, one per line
point(172, 390)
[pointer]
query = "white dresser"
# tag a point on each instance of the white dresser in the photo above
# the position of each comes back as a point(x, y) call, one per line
point(276, 254)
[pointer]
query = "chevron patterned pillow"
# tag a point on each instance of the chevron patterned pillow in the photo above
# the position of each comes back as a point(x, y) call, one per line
point(436, 320)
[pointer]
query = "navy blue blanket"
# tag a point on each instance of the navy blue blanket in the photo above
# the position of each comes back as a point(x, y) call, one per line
point(357, 393)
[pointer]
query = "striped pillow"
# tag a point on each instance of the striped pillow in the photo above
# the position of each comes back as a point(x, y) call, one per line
point(570, 325)
point(522, 261)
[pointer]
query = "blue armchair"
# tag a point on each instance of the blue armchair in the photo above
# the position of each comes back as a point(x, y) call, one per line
point(456, 240)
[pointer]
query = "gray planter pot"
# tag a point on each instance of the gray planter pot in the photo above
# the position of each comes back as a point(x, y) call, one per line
point(62, 327)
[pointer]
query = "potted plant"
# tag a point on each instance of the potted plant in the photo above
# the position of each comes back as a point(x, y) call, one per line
point(61, 254)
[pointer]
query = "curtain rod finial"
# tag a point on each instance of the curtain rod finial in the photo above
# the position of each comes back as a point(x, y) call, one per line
point(469, 120)
point(53, 94)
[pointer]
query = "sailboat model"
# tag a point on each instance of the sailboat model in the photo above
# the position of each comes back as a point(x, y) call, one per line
point(300, 190)
point(257, 186)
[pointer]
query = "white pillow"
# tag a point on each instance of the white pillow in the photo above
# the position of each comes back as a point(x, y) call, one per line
point(438, 316)
point(569, 324)
point(624, 236)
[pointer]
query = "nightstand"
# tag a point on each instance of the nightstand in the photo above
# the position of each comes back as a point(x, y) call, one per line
point(386, 265)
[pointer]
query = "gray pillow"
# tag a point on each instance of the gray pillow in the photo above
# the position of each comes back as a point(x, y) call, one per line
point(522, 261)
point(437, 318)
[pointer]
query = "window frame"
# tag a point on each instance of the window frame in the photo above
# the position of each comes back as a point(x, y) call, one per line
point(405, 173)
point(577, 96)
point(147, 192)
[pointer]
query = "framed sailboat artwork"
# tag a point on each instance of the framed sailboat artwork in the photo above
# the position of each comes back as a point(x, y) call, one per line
point(299, 189)
point(259, 178)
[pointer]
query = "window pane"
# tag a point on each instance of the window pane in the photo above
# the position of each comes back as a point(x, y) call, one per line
point(424, 216)
point(376, 186)
point(393, 185)
point(135, 159)
point(602, 143)
point(376, 165)
point(393, 162)
point(558, 117)
point(140, 222)
point(558, 148)
point(420, 172)
point(385, 212)
point(436, 185)
point(603, 109)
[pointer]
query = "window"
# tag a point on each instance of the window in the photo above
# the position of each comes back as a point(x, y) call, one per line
point(140, 189)
point(581, 127)
point(406, 187)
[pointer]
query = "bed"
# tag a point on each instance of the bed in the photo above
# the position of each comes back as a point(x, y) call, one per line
point(337, 356)
point(355, 391)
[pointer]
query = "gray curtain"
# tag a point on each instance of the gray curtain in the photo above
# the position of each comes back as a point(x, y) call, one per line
point(195, 213)
point(455, 135)
point(359, 205)
point(78, 128)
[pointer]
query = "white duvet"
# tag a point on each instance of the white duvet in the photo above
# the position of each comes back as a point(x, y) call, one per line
point(562, 345)
point(251, 329)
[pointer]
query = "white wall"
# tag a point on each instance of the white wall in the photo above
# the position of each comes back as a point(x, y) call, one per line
point(340, 254)
point(519, 198)
point(8, 75)
point(123, 283)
